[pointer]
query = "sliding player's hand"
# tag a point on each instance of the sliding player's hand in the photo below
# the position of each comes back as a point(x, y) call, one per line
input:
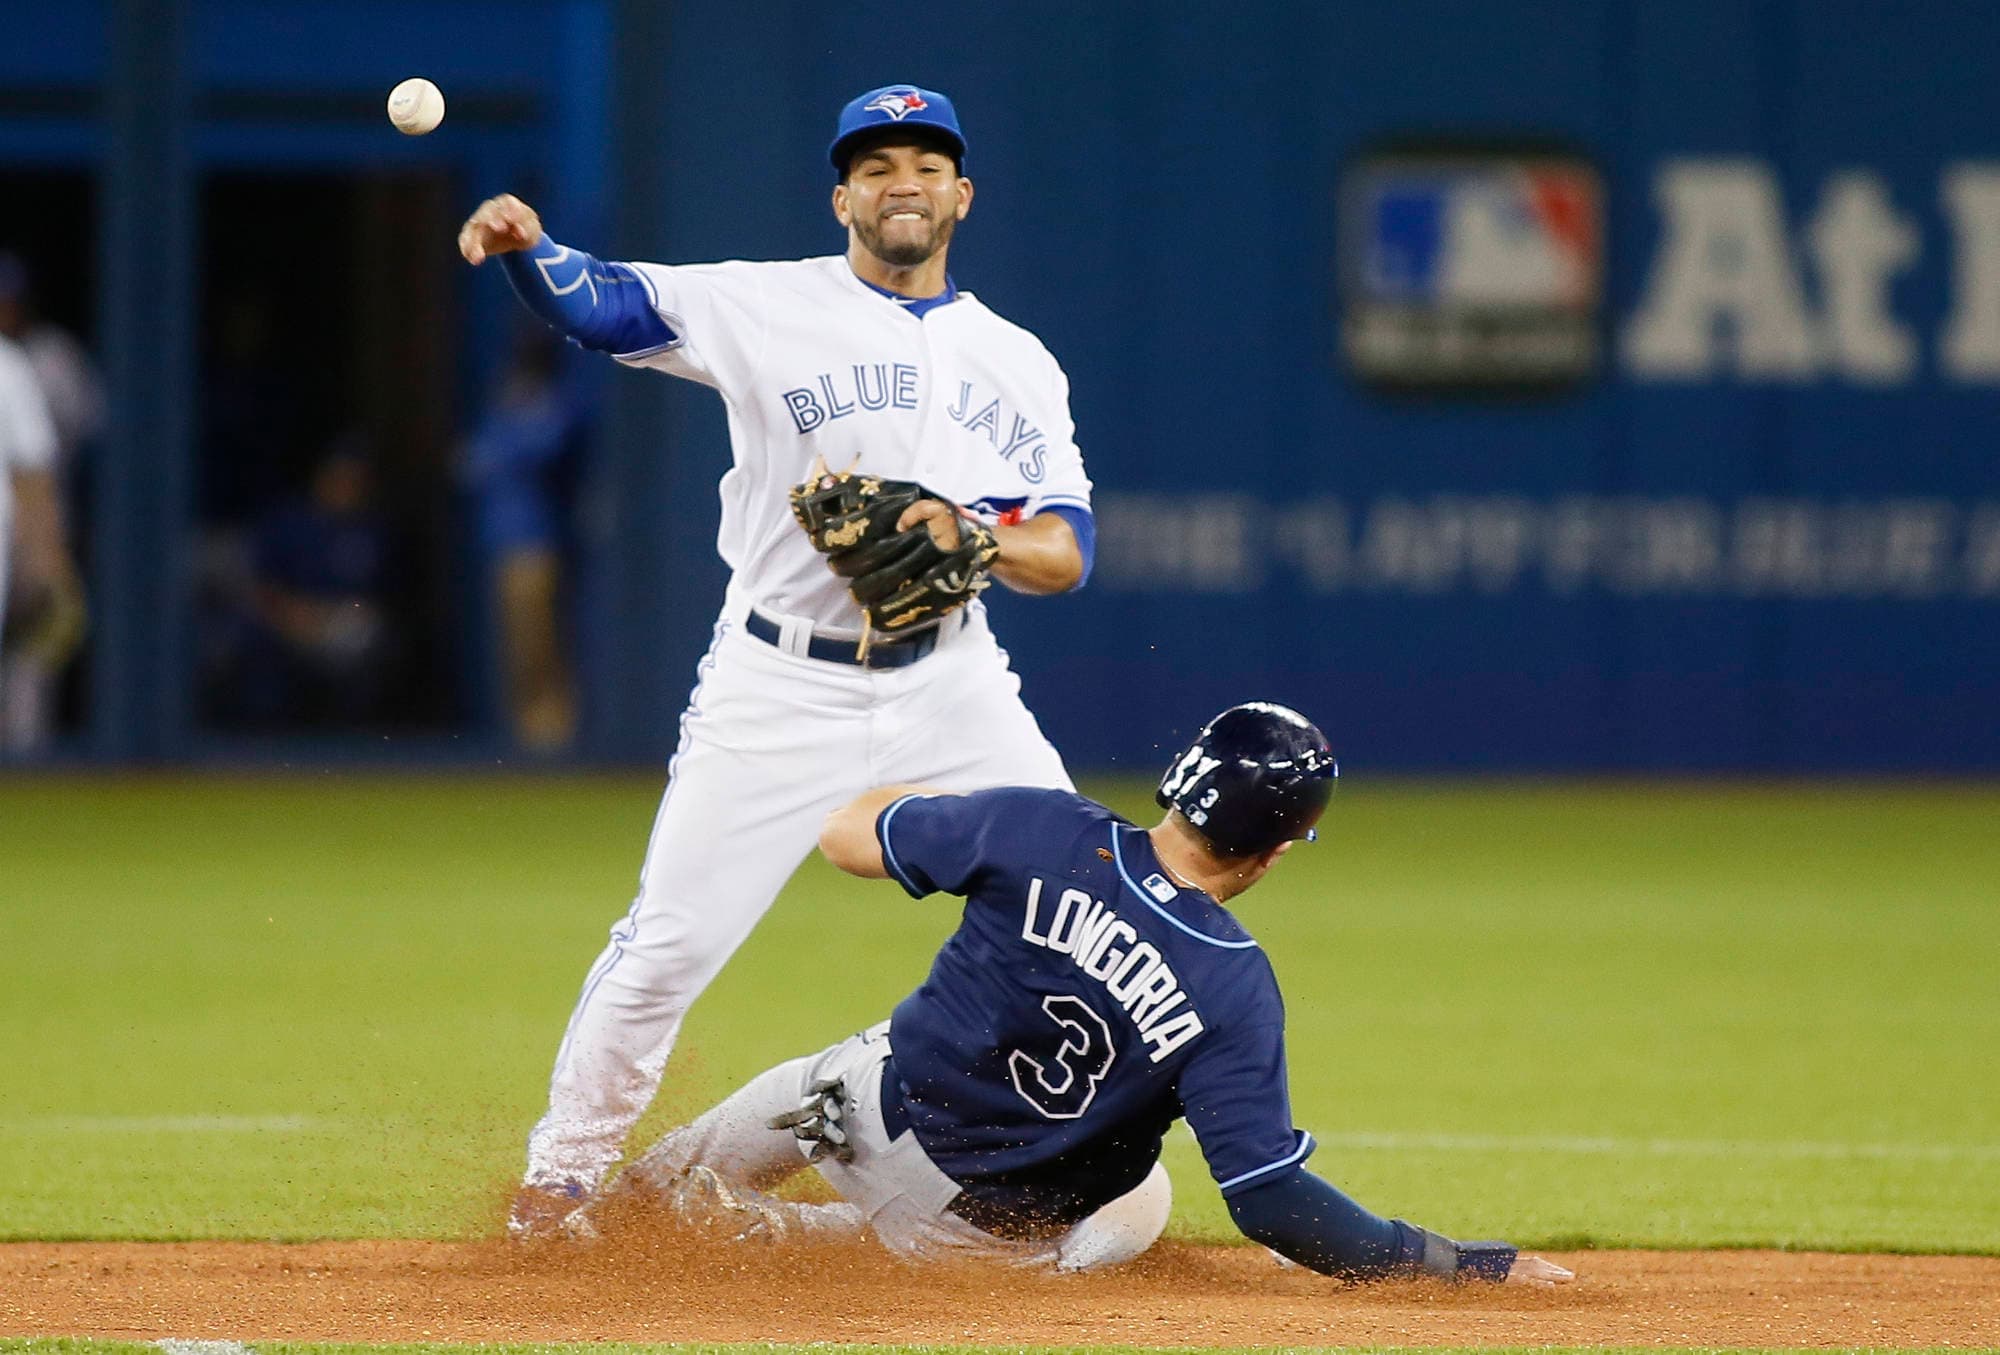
point(1533, 1270)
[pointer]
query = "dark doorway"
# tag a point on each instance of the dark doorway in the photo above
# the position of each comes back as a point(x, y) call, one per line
point(330, 549)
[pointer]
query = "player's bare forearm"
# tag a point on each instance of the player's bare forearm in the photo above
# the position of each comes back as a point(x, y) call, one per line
point(1040, 555)
point(848, 837)
point(38, 528)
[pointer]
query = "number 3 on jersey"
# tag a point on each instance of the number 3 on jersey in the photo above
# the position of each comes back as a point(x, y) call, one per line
point(1062, 1087)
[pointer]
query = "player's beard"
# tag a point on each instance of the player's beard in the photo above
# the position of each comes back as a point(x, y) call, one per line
point(905, 253)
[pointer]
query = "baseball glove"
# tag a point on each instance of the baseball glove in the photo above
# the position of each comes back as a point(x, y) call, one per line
point(904, 581)
point(47, 622)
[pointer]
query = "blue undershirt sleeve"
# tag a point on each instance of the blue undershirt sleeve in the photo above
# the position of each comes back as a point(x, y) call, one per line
point(1084, 525)
point(1301, 1217)
point(604, 307)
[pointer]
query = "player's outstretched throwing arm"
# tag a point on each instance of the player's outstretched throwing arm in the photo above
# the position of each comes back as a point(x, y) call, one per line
point(603, 306)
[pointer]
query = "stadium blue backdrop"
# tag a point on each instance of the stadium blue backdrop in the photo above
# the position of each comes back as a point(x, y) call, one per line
point(1493, 584)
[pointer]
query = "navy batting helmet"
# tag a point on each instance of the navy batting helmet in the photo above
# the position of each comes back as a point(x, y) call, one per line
point(1257, 775)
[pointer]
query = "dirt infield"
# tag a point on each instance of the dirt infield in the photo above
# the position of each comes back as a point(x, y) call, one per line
point(672, 1288)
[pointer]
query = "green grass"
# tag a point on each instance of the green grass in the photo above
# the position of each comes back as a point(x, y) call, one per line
point(1680, 1016)
point(77, 1347)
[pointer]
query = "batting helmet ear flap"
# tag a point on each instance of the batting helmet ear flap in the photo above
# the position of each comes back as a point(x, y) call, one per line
point(1256, 775)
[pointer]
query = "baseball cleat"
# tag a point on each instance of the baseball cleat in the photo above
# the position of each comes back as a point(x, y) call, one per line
point(703, 1200)
point(550, 1214)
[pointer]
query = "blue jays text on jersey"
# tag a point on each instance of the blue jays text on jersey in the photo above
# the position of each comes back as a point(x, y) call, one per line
point(872, 386)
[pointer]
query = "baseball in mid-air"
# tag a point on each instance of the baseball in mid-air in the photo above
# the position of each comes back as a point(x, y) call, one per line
point(416, 106)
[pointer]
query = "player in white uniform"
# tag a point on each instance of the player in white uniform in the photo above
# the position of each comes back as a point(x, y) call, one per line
point(30, 515)
point(30, 671)
point(873, 359)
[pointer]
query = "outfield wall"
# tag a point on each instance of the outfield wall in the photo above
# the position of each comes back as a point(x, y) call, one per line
point(1761, 532)
point(1554, 384)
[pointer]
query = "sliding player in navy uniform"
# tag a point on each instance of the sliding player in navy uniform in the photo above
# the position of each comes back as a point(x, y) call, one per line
point(1096, 991)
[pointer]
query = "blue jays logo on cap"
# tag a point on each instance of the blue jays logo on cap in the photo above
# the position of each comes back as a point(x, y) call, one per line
point(896, 106)
point(897, 103)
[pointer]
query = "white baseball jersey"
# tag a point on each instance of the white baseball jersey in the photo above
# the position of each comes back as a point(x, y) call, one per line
point(813, 362)
point(27, 439)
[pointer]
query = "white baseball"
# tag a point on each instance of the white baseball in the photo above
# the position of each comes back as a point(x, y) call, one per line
point(416, 106)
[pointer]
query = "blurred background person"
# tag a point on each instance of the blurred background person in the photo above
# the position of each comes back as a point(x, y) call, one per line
point(524, 462)
point(68, 378)
point(302, 631)
point(45, 615)
point(73, 397)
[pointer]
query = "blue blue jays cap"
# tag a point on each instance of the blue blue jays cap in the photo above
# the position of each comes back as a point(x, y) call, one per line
point(896, 106)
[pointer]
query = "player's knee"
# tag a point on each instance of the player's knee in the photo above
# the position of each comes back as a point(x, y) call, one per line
point(1122, 1230)
point(673, 948)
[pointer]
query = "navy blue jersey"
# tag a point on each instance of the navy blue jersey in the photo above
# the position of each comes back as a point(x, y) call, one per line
point(1085, 1002)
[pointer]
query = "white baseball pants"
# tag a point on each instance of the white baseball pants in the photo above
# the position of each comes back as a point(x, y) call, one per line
point(771, 742)
point(891, 1187)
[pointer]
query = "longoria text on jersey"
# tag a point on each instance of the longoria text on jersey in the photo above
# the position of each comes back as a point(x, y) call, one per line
point(1137, 976)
